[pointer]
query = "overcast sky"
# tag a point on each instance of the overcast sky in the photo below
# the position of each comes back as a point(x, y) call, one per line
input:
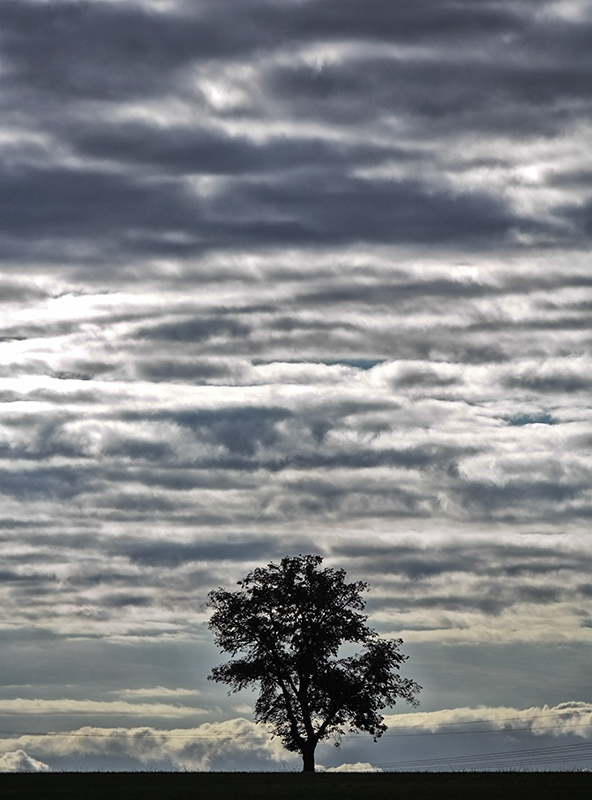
point(281, 277)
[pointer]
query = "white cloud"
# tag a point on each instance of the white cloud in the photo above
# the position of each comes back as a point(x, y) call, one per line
point(221, 745)
point(19, 761)
point(183, 748)
point(157, 691)
point(573, 717)
point(20, 705)
point(359, 766)
point(243, 708)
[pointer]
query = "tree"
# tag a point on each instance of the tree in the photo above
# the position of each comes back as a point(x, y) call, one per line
point(289, 621)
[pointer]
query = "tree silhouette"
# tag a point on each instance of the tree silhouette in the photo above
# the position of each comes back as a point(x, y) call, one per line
point(288, 623)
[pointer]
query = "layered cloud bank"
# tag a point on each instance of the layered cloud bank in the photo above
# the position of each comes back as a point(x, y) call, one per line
point(282, 277)
point(228, 744)
point(233, 742)
point(562, 720)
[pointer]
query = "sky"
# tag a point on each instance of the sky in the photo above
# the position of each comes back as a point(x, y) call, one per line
point(282, 277)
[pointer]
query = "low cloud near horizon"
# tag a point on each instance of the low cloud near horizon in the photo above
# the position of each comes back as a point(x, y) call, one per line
point(215, 746)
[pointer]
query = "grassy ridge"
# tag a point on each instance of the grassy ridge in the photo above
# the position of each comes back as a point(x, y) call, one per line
point(290, 786)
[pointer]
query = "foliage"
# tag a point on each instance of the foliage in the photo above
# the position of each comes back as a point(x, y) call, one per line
point(289, 622)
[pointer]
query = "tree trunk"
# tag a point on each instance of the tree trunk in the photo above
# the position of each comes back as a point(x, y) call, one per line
point(308, 757)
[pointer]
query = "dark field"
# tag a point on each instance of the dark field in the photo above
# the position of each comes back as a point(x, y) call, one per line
point(285, 786)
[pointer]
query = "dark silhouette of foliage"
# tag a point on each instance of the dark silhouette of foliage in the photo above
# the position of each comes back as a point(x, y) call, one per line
point(288, 622)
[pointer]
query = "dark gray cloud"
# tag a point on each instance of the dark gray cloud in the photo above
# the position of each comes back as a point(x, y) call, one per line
point(183, 370)
point(443, 289)
point(549, 382)
point(489, 560)
point(241, 431)
point(140, 504)
point(176, 477)
point(412, 458)
point(59, 483)
point(46, 42)
point(194, 330)
point(516, 496)
point(341, 210)
point(424, 377)
point(61, 205)
point(382, 293)
point(139, 450)
point(543, 418)
point(109, 51)
point(540, 594)
point(122, 600)
point(172, 554)
point(8, 576)
point(211, 151)
point(61, 54)
point(490, 604)
point(53, 208)
point(375, 87)
point(11, 291)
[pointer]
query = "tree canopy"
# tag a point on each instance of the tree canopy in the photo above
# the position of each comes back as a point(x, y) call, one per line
point(286, 625)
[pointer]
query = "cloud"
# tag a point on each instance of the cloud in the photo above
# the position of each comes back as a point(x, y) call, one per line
point(213, 151)
point(194, 330)
point(570, 718)
point(286, 277)
point(184, 370)
point(357, 767)
point(129, 50)
point(425, 377)
point(158, 691)
point(73, 206)
point(139, 449)
point(19, 761)
point(215, 746)
point(241, 431)
point(72, 210)
point(549, 381)
point(16, 291)
point(209, 746)
point(65, 706)
point(157, 202)
point(50, 482)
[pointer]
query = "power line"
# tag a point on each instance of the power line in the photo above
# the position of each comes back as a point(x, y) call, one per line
point(577, 752)
point(531, 757)
point(112, 735)
point(486, 730)
point(526, 757)
point(504, 719)
point(498, 721)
